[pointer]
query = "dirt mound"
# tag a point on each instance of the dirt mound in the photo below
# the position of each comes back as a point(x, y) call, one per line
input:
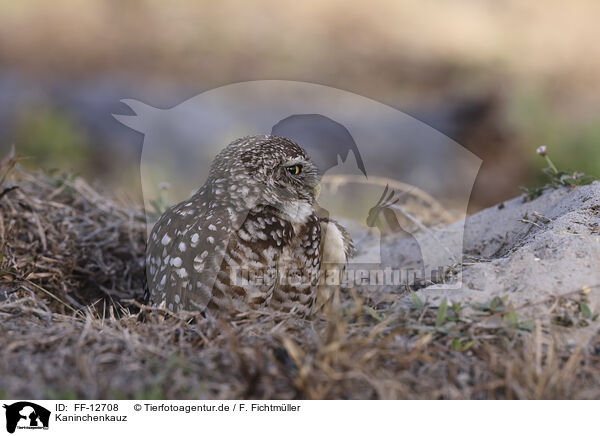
point(532, 255)
point(62, 238)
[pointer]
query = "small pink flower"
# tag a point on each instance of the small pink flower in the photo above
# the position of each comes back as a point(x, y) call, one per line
point(164, 186)
point(541, 150)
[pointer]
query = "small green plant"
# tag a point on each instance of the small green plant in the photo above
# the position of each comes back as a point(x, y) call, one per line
point(160, 204)
point(458, 344)
point(441, 313)
point(557, 178)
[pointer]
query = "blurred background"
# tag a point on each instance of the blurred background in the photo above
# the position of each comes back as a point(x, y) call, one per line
point(500, 77)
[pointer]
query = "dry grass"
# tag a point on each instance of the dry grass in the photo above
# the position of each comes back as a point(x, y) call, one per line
point(72, 269)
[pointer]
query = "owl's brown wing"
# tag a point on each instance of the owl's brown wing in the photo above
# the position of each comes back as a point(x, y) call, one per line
point(185, 250)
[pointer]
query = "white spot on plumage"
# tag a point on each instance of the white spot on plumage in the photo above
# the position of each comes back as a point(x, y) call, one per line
point(244, 235)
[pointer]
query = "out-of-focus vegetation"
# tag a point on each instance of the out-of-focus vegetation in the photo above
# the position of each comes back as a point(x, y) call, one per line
point(575, 143)
point(52, 139)
point(539, 59)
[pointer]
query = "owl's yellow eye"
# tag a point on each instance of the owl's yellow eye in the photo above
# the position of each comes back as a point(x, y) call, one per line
point(294, 169)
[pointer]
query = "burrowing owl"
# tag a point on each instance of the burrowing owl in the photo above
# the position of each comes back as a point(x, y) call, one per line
point(249, 238)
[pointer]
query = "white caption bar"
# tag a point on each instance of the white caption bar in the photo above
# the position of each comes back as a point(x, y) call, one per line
point(299, 417)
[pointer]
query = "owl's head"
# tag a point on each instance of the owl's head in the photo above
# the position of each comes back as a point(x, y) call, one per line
point(266, 170)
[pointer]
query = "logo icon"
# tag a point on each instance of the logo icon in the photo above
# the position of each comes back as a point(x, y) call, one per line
point(26, 415)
